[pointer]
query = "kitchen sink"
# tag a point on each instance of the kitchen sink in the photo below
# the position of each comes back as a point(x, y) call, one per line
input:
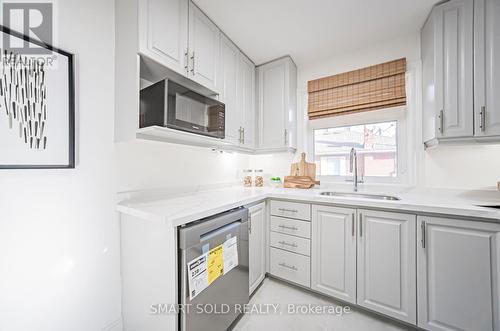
point(360, 195)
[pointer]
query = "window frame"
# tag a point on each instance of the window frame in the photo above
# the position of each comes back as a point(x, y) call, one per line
point(396, 114)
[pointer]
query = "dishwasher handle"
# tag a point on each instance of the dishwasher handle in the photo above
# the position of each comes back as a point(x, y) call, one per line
point(216, 232)
point(193, 233)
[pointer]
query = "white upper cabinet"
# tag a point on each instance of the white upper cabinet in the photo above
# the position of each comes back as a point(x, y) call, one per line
point(204, 37)
point(458, 277)
point(487, 67)
point(163, 32)
point(454, 69)
point(460, 45)
point(453, 24)
point(333, 253)
point(246, 100)
point(277, 103)
point(236, 84)
point(227, 85)
point(386, 264)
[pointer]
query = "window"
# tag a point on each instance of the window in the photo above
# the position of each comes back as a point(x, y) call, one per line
point(376, 146)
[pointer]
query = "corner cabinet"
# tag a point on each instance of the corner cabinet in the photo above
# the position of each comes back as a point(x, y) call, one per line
point(386, 264)
point(333, 254)
point(460, 51)
point(277, 104)
point(458, 265)
point(256, 253)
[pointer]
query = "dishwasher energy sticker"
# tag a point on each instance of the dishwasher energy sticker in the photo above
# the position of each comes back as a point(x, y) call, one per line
point(230, 254)
point(197, 275)
point(215, 263)
point(206, 268)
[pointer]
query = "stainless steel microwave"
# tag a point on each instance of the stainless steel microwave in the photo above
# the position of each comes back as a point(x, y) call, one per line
point(169, 104)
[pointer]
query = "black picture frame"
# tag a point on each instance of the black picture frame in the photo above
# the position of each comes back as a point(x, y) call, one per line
point(71, 105)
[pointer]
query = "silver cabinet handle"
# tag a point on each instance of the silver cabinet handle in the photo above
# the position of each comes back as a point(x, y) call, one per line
point(287, 244)
point(250, 225)
point(441, 121)
point(288, 227)
point(243, 139)
point(192, 64)
point(352, 225)
point(291, 267)
point(361, 225)
point(286, 137)
point(482, 118)
point(186, 59)
point(288, 210)
point(239, 130)
point(422, 239)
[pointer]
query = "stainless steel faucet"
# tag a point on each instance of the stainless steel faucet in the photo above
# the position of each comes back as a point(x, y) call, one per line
point(353, 167)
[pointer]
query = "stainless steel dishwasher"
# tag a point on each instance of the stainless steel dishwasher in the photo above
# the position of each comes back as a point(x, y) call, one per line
point(227, 291)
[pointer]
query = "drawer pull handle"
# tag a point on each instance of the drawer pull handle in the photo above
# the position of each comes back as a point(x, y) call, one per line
point(288, 210)
point(291, 267)
point(288, 227)
point(288, 244)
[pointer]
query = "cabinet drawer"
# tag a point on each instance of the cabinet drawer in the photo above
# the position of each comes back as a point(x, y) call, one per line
point(290, 243)
point(296, 210)
point(290, 266)
point(293, 227)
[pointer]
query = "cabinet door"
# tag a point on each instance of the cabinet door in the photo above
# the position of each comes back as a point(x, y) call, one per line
point(229, 57)
point(386, 264)
point(454, 68)
point(458, 265)
point(333, 254)
point(272, 95)
point(246, 99)
point(204, 48)
point(257, 267)
point(487, 67)
point(290, 112)
point(163, 32)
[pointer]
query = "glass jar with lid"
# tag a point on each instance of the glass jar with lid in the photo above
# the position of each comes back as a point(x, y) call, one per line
point(247, 177)
point(259, 178)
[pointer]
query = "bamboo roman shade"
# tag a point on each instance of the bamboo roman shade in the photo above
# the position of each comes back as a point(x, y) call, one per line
point(375, 87)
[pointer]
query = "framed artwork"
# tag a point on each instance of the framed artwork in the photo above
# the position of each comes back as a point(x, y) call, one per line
point(37, 105)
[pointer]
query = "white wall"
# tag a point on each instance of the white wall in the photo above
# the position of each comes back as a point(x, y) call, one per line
point(151, 165)
point(59, 239)
point(467, 167)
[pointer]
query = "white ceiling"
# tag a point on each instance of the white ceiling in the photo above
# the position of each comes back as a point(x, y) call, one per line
point(313, 30)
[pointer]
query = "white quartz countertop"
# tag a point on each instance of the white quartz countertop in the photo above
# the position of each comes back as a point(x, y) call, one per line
point(178, 209)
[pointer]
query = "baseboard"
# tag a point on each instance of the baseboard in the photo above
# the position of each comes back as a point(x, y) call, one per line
point(114, 326)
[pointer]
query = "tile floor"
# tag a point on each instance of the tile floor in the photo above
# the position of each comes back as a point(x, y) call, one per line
point(276, 292)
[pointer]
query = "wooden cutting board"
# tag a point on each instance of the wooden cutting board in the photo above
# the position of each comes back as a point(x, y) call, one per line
point(302, 174)
point(303, 168)
point(300, 182)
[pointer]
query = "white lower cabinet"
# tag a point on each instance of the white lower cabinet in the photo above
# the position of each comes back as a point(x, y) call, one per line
point(290, 266)
point(386, 264)
point(333, 255)
point(458, 265)
point(256, 253)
